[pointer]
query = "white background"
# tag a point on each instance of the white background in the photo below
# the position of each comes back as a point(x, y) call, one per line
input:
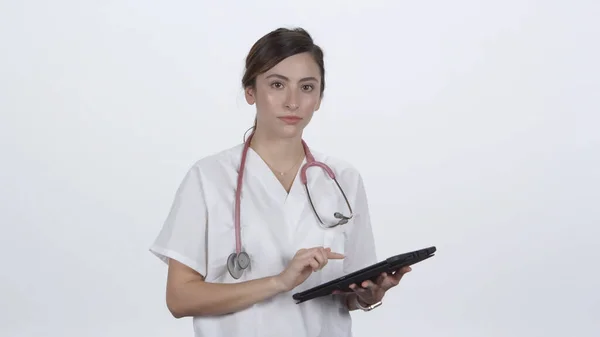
point(475, 124)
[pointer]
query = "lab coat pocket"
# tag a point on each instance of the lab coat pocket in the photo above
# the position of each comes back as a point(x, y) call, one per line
point(334, 238)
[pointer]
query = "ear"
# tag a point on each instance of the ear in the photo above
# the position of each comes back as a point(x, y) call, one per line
point(249, 92)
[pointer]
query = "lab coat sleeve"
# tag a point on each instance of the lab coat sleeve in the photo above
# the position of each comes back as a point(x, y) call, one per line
point(360, 251)
point(183, 235)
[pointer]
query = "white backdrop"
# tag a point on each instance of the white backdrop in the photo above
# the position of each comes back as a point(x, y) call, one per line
point(475, 124)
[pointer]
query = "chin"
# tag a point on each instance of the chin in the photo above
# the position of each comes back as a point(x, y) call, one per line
point(290, 131)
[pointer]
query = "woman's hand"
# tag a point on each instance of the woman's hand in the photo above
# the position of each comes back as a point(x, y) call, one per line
point(304, 263)
point(370, 293)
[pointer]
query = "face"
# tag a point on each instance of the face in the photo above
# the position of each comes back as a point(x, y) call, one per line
point(286, 96)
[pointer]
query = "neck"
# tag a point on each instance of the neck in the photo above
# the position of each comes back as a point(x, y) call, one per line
point(281, 153)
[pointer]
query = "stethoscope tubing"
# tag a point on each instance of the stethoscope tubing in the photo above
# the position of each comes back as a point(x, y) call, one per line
point(310, 161)
point(239, 260)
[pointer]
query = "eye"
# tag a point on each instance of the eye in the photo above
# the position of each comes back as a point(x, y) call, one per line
point(308, 87)
point(277, 85)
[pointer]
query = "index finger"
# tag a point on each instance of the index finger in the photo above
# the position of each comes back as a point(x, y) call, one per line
point(334, 255)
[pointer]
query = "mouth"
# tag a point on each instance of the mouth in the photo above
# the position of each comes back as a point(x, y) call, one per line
point(290, 119)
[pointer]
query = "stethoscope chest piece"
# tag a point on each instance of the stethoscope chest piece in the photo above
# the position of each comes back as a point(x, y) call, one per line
point(237, 263)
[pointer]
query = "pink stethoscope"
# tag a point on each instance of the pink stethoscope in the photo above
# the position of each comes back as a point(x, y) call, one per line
point(237, 262)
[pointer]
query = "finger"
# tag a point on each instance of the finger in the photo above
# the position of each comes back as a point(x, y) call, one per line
point(368, 284)
point(394, 280)
point(398, 274)
point(323, 254)
point(371, 288)
point(312, 250)
point(388, 282)
point(308, 253)
point(356, 289)
point(314, 264)
point(326, 251)
point(319, 256)
point(335, 256)
point(309, 261)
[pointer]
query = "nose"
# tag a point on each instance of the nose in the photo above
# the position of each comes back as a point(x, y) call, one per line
point(291, 100)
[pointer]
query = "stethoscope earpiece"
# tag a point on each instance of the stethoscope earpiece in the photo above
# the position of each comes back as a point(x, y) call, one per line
point(339, 215)
point(343, 219)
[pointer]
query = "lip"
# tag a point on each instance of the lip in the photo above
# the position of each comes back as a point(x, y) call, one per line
point(290, 119)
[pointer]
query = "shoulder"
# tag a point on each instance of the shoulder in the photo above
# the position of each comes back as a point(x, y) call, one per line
point(212, 169)
point(220, 161)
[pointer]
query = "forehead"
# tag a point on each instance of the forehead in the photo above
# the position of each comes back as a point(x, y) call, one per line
point(296, 67)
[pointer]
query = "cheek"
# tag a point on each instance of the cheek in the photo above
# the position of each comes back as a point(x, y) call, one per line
point(310, 102)
point(268, 101)
point(274, 98)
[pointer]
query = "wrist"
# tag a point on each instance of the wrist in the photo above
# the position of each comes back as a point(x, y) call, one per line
point(277, 284)
point(362, 305)
point(352, 302)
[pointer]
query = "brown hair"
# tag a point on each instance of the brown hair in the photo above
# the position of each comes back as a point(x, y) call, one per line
point(276, 46)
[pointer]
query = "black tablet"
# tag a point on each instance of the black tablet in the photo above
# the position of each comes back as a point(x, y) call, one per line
point(372, 272)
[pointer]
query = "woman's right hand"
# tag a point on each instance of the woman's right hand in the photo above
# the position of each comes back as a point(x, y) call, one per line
point(304, 263)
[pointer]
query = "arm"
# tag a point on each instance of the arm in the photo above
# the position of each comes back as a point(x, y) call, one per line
point(189, 295)
point(182, 244)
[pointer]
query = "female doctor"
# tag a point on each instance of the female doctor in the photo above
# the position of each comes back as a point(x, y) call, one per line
point(255, 223)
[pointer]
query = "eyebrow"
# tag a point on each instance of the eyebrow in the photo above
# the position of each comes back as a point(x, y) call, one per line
point(287, 79)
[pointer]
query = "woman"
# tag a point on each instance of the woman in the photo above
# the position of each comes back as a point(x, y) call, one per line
point(283, 246)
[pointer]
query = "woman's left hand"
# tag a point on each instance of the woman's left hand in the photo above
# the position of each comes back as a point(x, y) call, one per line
point(371, 293)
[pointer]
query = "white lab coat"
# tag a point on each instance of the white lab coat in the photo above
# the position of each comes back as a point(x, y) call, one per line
point(199, 232)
